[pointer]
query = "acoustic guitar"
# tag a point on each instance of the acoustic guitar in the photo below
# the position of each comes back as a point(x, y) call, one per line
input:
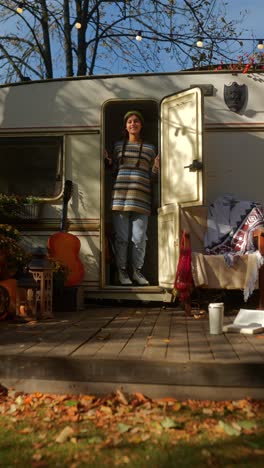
point(65, 247)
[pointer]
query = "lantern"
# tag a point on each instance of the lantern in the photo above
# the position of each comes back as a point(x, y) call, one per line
point(26, 295)
point(42, 271)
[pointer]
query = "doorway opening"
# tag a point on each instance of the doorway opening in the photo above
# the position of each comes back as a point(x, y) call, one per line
point(113, 114)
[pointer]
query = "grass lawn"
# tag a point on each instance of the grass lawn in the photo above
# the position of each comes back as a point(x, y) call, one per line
point(48, 430)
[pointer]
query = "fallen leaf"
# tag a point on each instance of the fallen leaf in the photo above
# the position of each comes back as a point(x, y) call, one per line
point(140, 397)
point(136, 429)
point(169, 423)
point(167, 399)
point(64, 435)
point(71, 403)
point(26, 430)
point(123, 427)
point(106, 410)
point(36, 456)
point(86, 400)
point(247, 424)
point(28, 400)
point(228, 429)
point(177, 406)
point(94, 440)
point(103, 336)
point(12, 408)
point(19, 400)
point(236, 426)
point(121, 397)
point(145, 437)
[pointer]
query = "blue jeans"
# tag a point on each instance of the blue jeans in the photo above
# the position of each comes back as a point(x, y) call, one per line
point(130, 226)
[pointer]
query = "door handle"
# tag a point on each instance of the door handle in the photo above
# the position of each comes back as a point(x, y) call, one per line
point(195, 166)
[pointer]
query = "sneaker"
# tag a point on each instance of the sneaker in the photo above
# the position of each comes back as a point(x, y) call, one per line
point(123, 277)
point(139, 278)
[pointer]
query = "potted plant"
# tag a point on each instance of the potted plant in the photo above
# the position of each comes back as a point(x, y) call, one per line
point(16, 207)
point(13, 257)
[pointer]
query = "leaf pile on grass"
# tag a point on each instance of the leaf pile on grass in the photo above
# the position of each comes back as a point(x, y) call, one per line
point(48, 430)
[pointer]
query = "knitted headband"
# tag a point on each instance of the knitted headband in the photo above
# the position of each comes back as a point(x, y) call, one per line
point(134, 112)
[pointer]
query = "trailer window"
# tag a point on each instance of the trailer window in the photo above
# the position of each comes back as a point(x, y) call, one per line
point(31, 166)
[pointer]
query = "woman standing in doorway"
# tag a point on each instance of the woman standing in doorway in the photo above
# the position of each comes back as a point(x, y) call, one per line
point(134, 163)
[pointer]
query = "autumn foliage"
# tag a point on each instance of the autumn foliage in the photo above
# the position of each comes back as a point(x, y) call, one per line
point(131, 426)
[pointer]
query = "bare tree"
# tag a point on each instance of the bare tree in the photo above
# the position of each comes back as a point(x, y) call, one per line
point(43, 40)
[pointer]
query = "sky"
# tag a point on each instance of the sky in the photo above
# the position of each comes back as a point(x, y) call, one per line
point(252, 25)
point(254, 19)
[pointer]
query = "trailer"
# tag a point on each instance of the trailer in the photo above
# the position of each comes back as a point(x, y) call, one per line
point(208, 127)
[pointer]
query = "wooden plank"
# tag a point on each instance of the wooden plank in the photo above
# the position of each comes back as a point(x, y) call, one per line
point(97, 342)
point(178, 349)
point(243, 348)
point(100, 314)
point(53, 337)
point(18, 340)
point(221, 348)
point(62, 345)
point(198, 344)
point(158, 342)
point(120, 337)
point(159, 372)
point(135, 347)
point(257, 342)
point(66, 339)
point(100, 326)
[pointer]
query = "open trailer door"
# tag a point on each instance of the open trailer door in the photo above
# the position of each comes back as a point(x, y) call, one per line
point(181, 172)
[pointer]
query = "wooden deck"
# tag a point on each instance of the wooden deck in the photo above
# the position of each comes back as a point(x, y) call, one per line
point(157, 351)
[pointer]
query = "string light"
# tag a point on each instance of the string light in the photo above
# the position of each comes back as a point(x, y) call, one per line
point(199, 42)
point(20, 8)
point(260, 45)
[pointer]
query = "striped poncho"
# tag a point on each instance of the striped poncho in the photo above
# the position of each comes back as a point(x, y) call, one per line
point(132, 188)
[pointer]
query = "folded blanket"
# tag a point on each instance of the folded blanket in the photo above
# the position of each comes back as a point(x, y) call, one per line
point(230, 225)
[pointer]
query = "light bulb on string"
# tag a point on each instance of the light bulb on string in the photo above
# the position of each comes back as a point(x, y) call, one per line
point(260, 45)
point(78, 25)
point(20, 8)
point(139, 36)
point(199, 42)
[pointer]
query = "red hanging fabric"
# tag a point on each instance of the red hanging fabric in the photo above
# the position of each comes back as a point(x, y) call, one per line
point(183, 279)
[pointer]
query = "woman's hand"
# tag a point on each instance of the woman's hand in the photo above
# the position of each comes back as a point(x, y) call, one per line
point(108, 160)
point(157, 162)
